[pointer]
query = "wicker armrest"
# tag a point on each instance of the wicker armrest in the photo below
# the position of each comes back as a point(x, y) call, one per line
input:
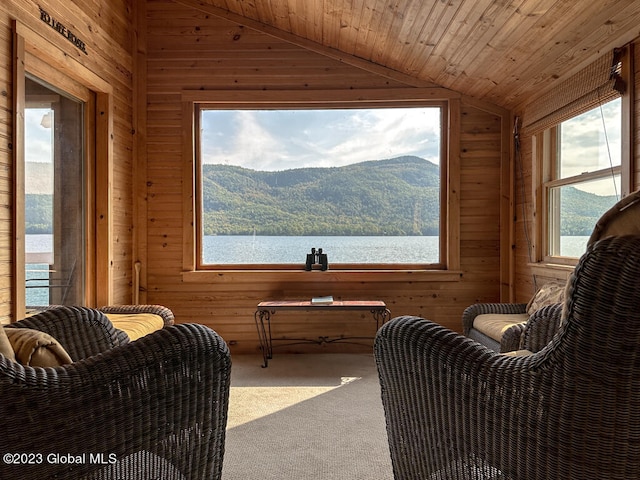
point(444, 393)
point(158, 404)
point(438, 384)
point(472, 311)
point(541, 327)
point(512, 338)
point(162, 311)
point(82, 331)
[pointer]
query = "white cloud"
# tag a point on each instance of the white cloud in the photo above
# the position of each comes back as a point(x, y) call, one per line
point(592, 141)
point(39, 141)
point(279, 140)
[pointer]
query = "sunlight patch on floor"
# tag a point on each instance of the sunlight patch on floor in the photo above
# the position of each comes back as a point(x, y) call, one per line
point(247, 404)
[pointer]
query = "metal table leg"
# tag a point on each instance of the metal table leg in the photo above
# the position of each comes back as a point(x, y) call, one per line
point(264, 334)
point(380, 315)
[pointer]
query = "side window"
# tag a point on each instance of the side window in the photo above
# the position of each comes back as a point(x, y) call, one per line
point(581, 154)
point(63, 172)
point(584, 177)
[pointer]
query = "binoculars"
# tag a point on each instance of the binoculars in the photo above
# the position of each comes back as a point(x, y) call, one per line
point(316, 257)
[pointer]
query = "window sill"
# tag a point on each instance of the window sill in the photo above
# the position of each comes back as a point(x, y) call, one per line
point(317, 276)
point(554, 269)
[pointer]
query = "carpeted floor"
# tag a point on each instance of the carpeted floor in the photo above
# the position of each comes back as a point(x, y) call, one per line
point(306, 417)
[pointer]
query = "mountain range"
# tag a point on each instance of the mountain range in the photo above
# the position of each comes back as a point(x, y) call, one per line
point(398, 196)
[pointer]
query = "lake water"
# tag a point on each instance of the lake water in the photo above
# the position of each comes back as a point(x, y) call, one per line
point(239, 249)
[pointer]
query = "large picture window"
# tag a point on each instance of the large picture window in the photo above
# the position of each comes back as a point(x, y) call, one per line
point(362, 184)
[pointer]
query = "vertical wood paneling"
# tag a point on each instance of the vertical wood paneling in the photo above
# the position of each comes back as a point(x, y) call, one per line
point(189, 50)
point(180, 47)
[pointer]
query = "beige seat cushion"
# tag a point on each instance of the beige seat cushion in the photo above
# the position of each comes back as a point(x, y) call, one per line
point(36, 349)
point(622, 219)
point(136, 325)
point(5, 346)
point(494, 324)
point(518, 353)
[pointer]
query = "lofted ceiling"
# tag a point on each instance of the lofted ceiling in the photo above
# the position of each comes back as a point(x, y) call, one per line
point(501, 51)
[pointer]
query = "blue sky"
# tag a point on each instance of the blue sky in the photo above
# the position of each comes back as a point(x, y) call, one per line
point(284, 139)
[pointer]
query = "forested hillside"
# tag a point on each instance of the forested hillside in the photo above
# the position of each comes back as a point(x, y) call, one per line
point(38, 210)
point(581, 211)
point(399, 196)
point(387, 197)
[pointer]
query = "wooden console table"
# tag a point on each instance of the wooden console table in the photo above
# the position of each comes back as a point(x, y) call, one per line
point(266, 310)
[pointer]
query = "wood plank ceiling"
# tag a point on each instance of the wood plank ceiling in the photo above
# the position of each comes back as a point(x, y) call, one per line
point(501, 51)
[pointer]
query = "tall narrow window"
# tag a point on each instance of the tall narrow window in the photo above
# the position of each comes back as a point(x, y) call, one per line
point(54, 200)
point(583, 160)
point(585, 178)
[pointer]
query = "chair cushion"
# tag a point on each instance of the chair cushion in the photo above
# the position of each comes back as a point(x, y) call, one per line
point(5, 346)
point(136, 325)
point(548, 294)
point(518, 353)
point(621, 219)
point(494, 324)
point(36, 349)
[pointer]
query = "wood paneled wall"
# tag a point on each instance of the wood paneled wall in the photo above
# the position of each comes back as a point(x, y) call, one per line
point(106, 28)
point(188, 49)
point(150, 51)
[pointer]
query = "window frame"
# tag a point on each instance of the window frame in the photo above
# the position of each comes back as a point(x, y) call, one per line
point(31, 58)
point(86, 98)
point(417, 97)
point(545, 148)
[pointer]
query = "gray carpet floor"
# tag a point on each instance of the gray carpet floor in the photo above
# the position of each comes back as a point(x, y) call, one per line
point(306, 417)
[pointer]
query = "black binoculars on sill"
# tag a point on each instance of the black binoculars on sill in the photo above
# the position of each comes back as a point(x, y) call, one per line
point(316, 258)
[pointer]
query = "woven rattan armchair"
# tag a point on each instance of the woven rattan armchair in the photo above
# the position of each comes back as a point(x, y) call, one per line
point(623, 218)
point(510, 338)
point(531, 334)
point(154, 408)
point(457, 410)
point(160, 310)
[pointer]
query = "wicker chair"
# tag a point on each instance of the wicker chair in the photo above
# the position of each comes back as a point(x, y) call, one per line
point(160, 310)
point(152, 408)
point(457, 410)
point(517, 325)
point(510, 339)
point(124, 318)
point(621, 219)
point(538, 330)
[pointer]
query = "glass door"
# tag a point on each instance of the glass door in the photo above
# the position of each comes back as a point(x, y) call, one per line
point(55, 200)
